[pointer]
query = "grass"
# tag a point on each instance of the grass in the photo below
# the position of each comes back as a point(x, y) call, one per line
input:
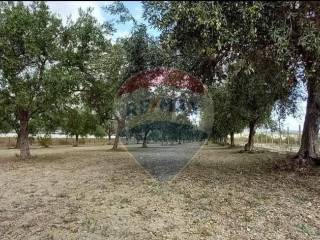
point(93, 193)
point(46, 141)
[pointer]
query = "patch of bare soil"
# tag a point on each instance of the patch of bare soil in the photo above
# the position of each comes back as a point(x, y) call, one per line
point(92, 193)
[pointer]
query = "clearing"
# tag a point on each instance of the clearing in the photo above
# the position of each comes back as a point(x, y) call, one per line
point(93, 193)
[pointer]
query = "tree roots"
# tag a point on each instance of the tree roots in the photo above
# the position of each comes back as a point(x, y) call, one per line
point(298, 163)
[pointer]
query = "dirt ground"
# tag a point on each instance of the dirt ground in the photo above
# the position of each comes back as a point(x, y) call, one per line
point(93, 193)
point(163, 162)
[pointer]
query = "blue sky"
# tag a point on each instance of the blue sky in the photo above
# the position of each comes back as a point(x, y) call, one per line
point(66, 8)
point(136, 9)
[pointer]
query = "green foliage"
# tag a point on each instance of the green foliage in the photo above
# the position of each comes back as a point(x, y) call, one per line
point(102, 93)
point(29, 43)
point(78, 122)
point(225, 115)
point(99, 132)
point(251, 56)
point(256, 86)
point(195, 31)
point(118, 8)
point(44, 65)
point(136, 50)
point(230, 47)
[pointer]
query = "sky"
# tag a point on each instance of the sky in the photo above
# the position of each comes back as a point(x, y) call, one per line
point(67, 8)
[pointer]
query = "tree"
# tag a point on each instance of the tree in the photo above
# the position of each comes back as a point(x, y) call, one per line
point(297, 45)
point(222, 114)
point(100, 96)
point(288, 32)
point(5, 125)
point(159, 106)
point(120, 115)
point(78, 122)
point(137, 59)
point(30, 80)
point(42, 63)
point(204, 36)
point(93, 64)
point(211, 36)
point(195, 32)
point(255, 89)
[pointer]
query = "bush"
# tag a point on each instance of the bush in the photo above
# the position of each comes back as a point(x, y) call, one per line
point(99, 132)
point(45, 141)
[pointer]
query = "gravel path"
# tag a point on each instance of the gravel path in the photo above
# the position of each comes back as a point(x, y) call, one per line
point(164, 162)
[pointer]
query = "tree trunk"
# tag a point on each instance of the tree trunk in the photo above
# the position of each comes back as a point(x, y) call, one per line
point(109, 136)
point(144, 144)
point(179, 137)
point(77, 141)
point(252, 132)
point(127, 139)
point(309, 148)
point(120, 126)
point(116, 141)
point(24, 135)
point(162, 137)
point(18, 140)
point(225, 140)
point(232, 139)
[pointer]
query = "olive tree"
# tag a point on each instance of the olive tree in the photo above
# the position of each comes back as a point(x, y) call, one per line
point(30, 81)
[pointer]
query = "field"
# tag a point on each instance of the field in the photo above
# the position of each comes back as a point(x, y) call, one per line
point(90, 192)
point(10, 142)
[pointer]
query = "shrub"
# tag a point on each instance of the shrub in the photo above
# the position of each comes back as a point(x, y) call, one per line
point(45, 141)
point(99, 132)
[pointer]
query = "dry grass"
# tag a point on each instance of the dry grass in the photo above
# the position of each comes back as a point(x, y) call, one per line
point(91, 193)
point(10, 142)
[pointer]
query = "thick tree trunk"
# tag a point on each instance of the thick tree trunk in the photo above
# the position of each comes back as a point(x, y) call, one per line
point(252, 132)
point(232, 139)
point(24, 135)
point(309, 148)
